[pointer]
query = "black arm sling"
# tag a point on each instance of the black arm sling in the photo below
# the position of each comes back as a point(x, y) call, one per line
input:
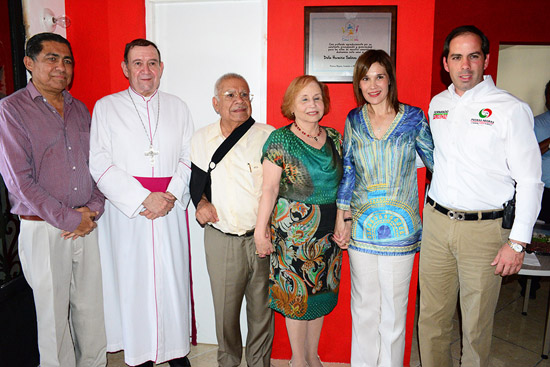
point(201, 182)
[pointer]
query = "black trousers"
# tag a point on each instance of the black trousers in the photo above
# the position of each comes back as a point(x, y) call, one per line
point(544, 214)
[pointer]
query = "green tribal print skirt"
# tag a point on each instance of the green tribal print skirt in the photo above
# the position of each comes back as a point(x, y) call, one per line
point(306, 264)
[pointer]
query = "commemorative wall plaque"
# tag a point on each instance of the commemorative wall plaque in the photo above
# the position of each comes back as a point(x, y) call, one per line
point(336, 36)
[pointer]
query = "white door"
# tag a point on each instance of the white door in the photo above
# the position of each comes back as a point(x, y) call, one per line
point(199, 41)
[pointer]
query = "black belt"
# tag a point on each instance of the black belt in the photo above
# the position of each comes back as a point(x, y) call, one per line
point(246, 234)
point(454, 214)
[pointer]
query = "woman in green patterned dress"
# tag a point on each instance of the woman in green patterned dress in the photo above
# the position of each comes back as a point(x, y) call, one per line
point(301, 171)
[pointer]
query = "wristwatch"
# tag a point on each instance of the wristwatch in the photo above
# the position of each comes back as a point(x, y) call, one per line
point(516, 246)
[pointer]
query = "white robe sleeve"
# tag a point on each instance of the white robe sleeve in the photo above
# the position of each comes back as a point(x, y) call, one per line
point(119, 187)
point(179, 185)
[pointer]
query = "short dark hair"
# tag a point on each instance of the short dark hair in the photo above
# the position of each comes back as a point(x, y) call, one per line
point(295, 87)
point(458, 31)
point(138, 42)
point(34, 44)
point(360, 69)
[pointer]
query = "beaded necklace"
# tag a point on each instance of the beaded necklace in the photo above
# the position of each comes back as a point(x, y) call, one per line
point(316, 137)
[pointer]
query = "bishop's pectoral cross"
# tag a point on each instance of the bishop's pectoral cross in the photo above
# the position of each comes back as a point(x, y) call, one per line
point(151, 153)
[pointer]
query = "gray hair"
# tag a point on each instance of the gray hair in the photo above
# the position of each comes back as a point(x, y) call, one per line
point(224, 77)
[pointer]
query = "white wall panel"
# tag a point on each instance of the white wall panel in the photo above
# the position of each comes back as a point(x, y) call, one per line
point(523, 71)
point(200, 41)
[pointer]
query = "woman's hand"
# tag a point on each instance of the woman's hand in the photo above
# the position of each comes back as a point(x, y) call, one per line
point(270, 190)
point(342, 229)
point(262, 238)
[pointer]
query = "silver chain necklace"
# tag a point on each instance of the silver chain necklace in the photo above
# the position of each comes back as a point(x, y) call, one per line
point(151, 153)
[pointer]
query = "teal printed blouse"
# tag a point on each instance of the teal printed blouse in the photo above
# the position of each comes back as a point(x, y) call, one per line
point(379, 183)
point(310, 175)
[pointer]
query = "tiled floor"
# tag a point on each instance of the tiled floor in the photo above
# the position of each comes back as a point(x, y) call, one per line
point(517, 339)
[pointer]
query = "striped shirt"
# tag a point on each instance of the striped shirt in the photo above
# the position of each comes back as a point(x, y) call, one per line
point(44, 158)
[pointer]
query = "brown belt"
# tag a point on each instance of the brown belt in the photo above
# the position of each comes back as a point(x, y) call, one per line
point(31, 217)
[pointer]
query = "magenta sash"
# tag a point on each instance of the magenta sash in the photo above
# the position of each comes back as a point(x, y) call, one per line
point(154, 184)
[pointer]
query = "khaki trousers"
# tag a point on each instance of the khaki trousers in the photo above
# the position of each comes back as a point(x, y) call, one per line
point(235, 272)
point(456, 258)
point(65, 277)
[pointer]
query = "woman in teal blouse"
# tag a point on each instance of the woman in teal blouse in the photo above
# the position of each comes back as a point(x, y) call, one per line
point(378, 216)
point(301, 171)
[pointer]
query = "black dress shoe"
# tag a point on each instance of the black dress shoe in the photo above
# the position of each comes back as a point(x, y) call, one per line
point(146, 364)
point(180, 362)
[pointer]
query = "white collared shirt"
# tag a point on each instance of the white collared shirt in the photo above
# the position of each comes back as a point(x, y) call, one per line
point(237, 179)
point(484, 142)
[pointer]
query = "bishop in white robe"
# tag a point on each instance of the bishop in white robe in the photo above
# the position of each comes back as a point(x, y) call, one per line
point(140, 144)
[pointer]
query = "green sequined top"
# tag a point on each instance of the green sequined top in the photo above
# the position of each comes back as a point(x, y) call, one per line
point(310, 175)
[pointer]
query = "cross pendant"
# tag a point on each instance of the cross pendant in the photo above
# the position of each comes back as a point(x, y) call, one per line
point(151, 153)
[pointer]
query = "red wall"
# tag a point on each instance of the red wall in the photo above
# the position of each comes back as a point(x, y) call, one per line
point(5, 51)
point(98, 35)
point(502, 21)
point(285, 61)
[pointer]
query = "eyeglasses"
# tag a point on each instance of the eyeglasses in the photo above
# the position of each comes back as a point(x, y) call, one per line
point(232, 95)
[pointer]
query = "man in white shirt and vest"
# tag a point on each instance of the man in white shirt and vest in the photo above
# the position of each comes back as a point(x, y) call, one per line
point(139, 157)
point(229, 218)
point(485, 153)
